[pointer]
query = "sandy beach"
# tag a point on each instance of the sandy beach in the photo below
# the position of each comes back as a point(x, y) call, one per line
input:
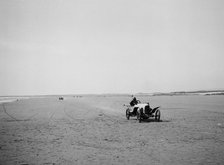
point(94, 130)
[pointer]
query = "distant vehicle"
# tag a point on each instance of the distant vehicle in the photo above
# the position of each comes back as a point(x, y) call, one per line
point(143, 111)
point(61, 98)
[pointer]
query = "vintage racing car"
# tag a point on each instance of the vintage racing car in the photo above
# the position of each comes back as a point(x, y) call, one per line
point(143, 111)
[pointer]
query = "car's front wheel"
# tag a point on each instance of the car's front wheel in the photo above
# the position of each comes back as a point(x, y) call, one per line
point(157, 115)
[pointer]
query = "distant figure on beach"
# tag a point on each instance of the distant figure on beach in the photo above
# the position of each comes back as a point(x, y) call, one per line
point(134, 101)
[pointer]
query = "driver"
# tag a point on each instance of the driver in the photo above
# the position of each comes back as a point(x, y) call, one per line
point(133, 102)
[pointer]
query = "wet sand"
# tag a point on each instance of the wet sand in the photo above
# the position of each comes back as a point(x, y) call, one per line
point(94, 130)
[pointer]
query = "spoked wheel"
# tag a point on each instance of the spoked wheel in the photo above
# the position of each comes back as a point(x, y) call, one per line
point(157, 115)
point(128, 113)
point(139, 118)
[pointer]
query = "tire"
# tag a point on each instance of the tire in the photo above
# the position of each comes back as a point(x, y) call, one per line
point(128, 113)
point(139, 114)
point(157, 115)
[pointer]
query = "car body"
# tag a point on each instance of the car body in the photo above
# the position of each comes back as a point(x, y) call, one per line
point(143, 111)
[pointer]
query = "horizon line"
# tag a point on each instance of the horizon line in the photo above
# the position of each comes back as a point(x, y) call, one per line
point(125, 93)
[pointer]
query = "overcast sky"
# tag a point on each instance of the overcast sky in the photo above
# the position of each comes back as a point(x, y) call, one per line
point(110, 46)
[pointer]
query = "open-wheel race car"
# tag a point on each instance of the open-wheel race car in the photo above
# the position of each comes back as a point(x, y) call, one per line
point(143, 111)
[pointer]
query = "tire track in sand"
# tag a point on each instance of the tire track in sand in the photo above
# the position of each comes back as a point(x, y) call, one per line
point(14, 118)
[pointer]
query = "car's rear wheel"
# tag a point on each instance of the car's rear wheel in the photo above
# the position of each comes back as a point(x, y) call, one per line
point(128, 113)
point(139, 116)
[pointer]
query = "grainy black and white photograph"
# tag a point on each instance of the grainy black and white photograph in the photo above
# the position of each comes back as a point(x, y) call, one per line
point(111, 82)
